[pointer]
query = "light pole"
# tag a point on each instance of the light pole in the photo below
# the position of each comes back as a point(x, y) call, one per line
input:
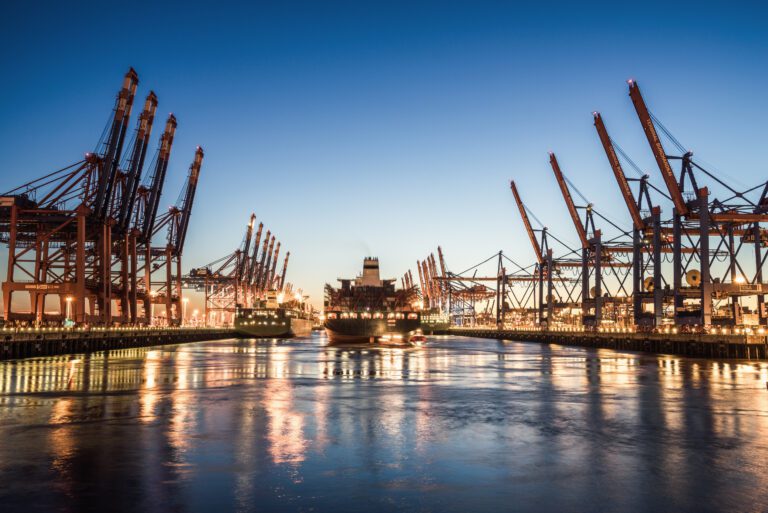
point(68, 299)
point(194, 315)
point(184, 302)
point(152, 295)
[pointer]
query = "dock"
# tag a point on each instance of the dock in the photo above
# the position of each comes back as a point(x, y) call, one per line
point(33, 342)
point(746, 346)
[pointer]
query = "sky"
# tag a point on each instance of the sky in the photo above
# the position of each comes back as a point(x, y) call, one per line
point(385, 128)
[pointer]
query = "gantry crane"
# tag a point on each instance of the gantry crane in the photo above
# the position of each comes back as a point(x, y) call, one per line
point(646, 238)
point(596, 256)
point(547, 271)
point(696, 219)
point(240, 279)
point(167, 291)
point(76, 232)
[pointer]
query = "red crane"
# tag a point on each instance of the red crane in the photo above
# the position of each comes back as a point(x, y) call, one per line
point(618, 172)
point(658, 149)
point(569, 201)
point(285, 270)
point(527, 223)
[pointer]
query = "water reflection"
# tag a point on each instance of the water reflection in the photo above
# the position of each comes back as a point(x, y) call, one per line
point(460, 425)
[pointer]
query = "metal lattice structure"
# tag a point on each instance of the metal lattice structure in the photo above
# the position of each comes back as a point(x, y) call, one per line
point(241, 278)
point(79, 234)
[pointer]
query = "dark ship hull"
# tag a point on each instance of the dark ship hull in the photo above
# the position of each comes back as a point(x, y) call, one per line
point(357, 331)
point(271, 323)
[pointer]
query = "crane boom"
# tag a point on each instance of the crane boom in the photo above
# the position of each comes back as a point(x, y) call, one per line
point(158, 179)
point(265, 275)
point(527, 223)
point(424, 293)
point(568, 200)
point(618, 172)
point(271, 281)
point(428, 282)
point(189, 199)
point(252, 259)
point(442, 261)
point(241, 270)
point(285, 270)
point(433, 270)
point(658, 149)
point(143, 133)
point(114, 143)
point(260, 270)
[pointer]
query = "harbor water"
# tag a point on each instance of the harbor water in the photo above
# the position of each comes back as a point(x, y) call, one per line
point(459, 425)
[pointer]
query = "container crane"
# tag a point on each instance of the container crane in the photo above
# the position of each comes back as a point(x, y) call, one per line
point(242, 267)
point(547, 267)
point(176, 221)
point(641, 289)
point(285, 270)
point(136, 162)
point(252, 267)
point(662, 160)
point(149, 197)
point(581, 229)
point(260, 270)
point(114, 144)
point(701, 288)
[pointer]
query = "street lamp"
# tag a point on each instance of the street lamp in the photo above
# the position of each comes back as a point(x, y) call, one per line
point(68, 299)
point(184, 302)
point(152, 294)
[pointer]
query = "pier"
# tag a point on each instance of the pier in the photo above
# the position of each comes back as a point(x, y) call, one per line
point(742, 345)
point(33, 342)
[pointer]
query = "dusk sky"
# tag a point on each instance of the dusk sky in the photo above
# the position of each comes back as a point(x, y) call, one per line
point(385, 128)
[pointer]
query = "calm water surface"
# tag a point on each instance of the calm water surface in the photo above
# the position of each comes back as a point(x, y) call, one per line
point(461, 425)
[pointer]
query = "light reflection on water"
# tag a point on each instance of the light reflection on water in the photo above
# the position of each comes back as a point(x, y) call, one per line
point(461, 425)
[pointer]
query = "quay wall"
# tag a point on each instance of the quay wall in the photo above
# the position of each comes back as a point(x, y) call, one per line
point(731, 346)
point(30, 342)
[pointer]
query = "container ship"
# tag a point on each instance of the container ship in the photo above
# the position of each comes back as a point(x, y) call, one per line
point(434, 320)
point(370, 310)
point(275, 317)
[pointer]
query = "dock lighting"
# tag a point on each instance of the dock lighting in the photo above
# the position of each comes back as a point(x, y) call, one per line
point(297, 296)
point(739, 279)
point(280, 298)
point(68, 299)
point(184, 302)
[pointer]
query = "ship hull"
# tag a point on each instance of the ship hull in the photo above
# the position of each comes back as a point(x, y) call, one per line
point(283, 328)
point(364, 331)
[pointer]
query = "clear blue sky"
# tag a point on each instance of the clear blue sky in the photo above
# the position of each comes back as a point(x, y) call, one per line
point(385, 128)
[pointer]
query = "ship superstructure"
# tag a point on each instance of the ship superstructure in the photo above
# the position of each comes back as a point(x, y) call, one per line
point(370, 309)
